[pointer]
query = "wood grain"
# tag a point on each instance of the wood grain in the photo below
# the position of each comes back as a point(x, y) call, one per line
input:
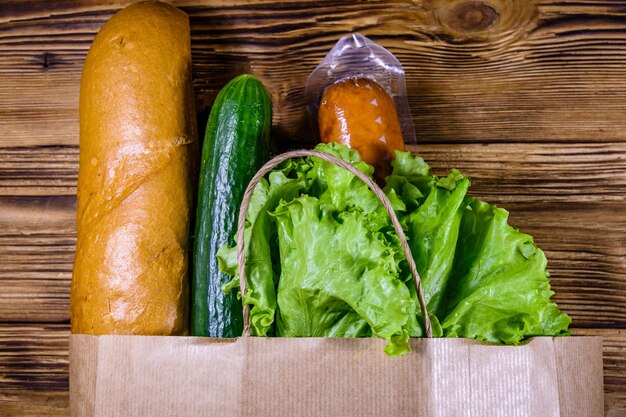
point(584, 243)
point(526, 97)
point(38, 171)
point(37, 242)
point(555, 193)
point(501, 172)
point(34, 379)
point(540, 72)
point(507, 173)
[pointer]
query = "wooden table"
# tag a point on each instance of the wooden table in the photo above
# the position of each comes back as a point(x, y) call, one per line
point(526, 97)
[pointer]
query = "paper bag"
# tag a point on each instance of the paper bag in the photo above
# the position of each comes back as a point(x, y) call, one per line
point(256, 377)
point(159, 376)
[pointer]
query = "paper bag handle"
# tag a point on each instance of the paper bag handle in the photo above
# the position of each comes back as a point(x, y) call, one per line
point(375, 188)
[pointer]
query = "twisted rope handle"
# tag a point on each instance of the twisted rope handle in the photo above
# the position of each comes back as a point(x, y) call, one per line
point(241, 262)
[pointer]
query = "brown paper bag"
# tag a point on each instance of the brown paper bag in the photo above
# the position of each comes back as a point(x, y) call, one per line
point(139, 376)
point(158, 376)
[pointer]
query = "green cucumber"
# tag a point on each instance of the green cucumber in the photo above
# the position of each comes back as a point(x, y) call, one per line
point(236, 145)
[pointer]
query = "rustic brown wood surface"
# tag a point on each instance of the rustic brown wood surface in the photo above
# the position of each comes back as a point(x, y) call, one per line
point(526, 97)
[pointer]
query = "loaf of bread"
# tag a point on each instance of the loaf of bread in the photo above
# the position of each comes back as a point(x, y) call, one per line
point(138, 149)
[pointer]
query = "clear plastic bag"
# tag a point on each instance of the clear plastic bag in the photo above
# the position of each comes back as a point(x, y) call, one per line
point(356, 56)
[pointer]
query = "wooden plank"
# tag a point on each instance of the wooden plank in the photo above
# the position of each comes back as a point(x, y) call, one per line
point(37, 242)
point(508, 173)
point(581, 227)
point(569, 197)
point(586, 249)
point(501, 172)
point(38, 171)
point(544, 71)
point(34, 369)
point(585, 245)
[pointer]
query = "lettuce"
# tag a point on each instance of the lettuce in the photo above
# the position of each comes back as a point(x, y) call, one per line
point(324, 260)
point(482, 278)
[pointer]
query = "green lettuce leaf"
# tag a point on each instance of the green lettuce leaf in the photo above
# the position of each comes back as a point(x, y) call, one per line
point(482, 278)
point(328, 288)
point(324, 260)
point(286, 181)
point(500, 292)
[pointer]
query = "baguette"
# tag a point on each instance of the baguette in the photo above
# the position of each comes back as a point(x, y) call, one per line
point(138, 149)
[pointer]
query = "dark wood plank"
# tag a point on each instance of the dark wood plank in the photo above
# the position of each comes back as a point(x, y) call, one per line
point(501, 172)
point(38, 171)
point(586, 249)
point(507, 173)
point(544, 71)
point(569, 197)
point(34, 378)
point(37, 243)
point(585, 244)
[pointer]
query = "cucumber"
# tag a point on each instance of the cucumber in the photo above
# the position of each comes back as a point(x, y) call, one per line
point(236, 145)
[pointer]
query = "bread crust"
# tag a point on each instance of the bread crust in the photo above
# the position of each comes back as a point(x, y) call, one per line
point(138, 150)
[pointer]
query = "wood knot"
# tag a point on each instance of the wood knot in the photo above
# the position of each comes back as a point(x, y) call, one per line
point(46, 60)
point(464, 21)
point(471, 16)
